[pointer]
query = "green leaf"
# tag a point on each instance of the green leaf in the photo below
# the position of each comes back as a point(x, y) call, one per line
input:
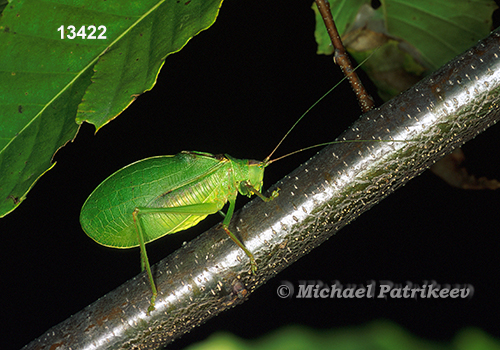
point(46, 82)
point(452, 26)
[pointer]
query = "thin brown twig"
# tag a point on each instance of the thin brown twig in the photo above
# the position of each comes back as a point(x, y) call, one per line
point(342, 59)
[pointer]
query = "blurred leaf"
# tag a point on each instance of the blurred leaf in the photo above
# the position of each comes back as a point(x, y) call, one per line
point(475, 339)
point(379, 335)
point(46, 81)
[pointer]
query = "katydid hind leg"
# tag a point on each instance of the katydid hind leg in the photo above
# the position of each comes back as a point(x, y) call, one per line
point(144, 257)
point(200, 209)
point(225, 225)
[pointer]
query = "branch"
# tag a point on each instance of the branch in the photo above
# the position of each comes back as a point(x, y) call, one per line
point(210, 274)
point(342, 59)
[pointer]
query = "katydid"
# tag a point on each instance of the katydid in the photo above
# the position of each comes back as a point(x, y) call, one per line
point(162, 195)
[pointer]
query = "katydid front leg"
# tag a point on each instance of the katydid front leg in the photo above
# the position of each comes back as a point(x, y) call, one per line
point(253, 190)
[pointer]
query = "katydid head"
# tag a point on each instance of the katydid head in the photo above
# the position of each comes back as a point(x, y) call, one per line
point(249, 174)
point(254, 178)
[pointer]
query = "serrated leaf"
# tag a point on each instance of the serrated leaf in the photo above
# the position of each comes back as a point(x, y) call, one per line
point(46, 82)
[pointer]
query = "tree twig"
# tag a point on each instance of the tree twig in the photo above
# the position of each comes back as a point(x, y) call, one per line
point(342, 59)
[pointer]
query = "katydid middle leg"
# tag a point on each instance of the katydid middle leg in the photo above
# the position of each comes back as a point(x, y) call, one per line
point(229, 216)
point(225, 225)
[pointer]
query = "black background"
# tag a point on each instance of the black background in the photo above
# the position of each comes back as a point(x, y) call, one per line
point(237, 88)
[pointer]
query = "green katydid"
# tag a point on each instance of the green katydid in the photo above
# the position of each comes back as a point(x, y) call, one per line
point(162, 195)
